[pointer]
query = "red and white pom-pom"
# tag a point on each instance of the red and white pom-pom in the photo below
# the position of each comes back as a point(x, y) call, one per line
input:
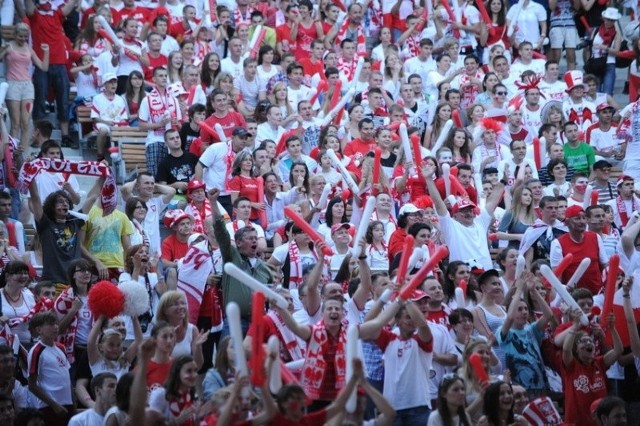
point(105, 298)
point(136, 298)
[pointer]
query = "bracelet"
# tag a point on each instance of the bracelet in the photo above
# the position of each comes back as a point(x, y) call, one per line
point(626, 296)
point(362, 257)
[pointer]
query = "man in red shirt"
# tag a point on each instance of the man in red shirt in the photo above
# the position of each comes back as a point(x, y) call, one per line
point(358, 148)
point(130, 10)
point(47, 30)
point(313, 64)
point(175, 246)
point(156, 59)
point(582, 244)
point(184, 29)
point(222, 115)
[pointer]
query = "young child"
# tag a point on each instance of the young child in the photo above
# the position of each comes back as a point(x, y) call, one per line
point(105, 349)
point(49, 378)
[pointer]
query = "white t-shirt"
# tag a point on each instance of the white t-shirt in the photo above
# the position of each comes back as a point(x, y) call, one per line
point(553, 91)
point(517, 68)
point(266, 131)
point(155, 207)
point(295, 96)
point(87, 418)
point(235, 69)
point(111, 110)
point(406, 371)
point(50, 365)
point(468, 242)
point(422, 68)
point(232, 227)
point(248, 89)
point(528, 21)
point(28, 302)
point(153, 109)
point(49, 182)
point(215, 163)
point(443, 344)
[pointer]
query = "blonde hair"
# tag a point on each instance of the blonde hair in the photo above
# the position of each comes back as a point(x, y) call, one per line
point(21, 26)
point(168, 299)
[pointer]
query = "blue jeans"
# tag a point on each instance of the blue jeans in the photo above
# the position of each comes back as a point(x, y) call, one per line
point(609, 80)
point(416, 416)
point(58, 79)
point(15, 203)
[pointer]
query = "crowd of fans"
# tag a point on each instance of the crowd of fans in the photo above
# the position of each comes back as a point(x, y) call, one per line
point(395, 129)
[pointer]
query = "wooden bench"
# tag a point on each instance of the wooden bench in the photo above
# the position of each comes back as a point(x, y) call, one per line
point(8, 32)
point(131, 146)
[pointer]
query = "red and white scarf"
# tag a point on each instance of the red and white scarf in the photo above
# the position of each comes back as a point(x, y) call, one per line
point(348, 67)
point(176, 407)
point(314, 366)
point(296, 264)
point(161, 106)
point(361, 41)
point(43, 305)
point(622, 209)
point(287, 337)
point(239, 18)
point(412, 44)
point(228, 160)
point(62, 306)
point(199, 214)
point(108, 194)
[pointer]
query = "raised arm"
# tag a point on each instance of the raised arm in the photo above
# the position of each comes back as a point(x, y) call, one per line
point(363, 292)
point(370, 330)
point(567, 346)
point(93, 352)
point(613, 355)
point(93, 194)
point(36, 202)
point(424, 332)
point(634, 338)
point(302, 331)
point(138, 396)
point(314, 301)
point(167, 192)
point(219, 229)
point(629, 236)
point(28, 9)
point(513, 307)
point(428, 171)
point(494, 198)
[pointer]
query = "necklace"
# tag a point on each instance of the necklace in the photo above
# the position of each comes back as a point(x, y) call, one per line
point(11, 299)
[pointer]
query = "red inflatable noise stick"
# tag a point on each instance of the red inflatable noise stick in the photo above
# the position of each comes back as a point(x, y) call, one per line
point(457, 121)
point(256, 363)
point(563, 265)
point(476, 363)
point(307, 229)
point(594, 198)
point(463, 285)
point(610, 285)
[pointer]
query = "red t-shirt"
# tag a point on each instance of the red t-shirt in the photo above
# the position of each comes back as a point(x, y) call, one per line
point(160, 61)
point(583, 384)
point(396, 242)
point(172, 249)
point(270, 329)
point(157, 374)
point(247, 187)
point(309, 69)
point(358, 146)
point(588, 248)
point(47, 29)
point(139, 13)
point(283, 35)
point(229, 122)
point(177, 31)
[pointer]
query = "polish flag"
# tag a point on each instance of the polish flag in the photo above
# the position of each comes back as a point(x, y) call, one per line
point(618, 310)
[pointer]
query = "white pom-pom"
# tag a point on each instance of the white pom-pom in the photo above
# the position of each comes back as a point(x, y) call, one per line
point(136, 298)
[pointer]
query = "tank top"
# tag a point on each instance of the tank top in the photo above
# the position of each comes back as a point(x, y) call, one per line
point(86, 85)
point(494, 322)
point(18, 65)
point(183, 347)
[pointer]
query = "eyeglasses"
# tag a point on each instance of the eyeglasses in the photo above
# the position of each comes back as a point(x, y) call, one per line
point(585, 340)
point(83, 270)
point(501, 93)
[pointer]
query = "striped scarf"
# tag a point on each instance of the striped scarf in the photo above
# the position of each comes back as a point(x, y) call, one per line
point(314, 364)
point(361, 40)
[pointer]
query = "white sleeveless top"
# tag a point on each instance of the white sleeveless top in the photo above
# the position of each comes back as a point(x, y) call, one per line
point(183, 347)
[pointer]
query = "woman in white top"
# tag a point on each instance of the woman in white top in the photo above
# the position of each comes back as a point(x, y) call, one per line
point(172, 308)
point(266, 69)
point(450, 404)
point(606, 42)
point(377, 54)
point(139, 267)
point(393, 74)
point(17, 300)
point(136, 211)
